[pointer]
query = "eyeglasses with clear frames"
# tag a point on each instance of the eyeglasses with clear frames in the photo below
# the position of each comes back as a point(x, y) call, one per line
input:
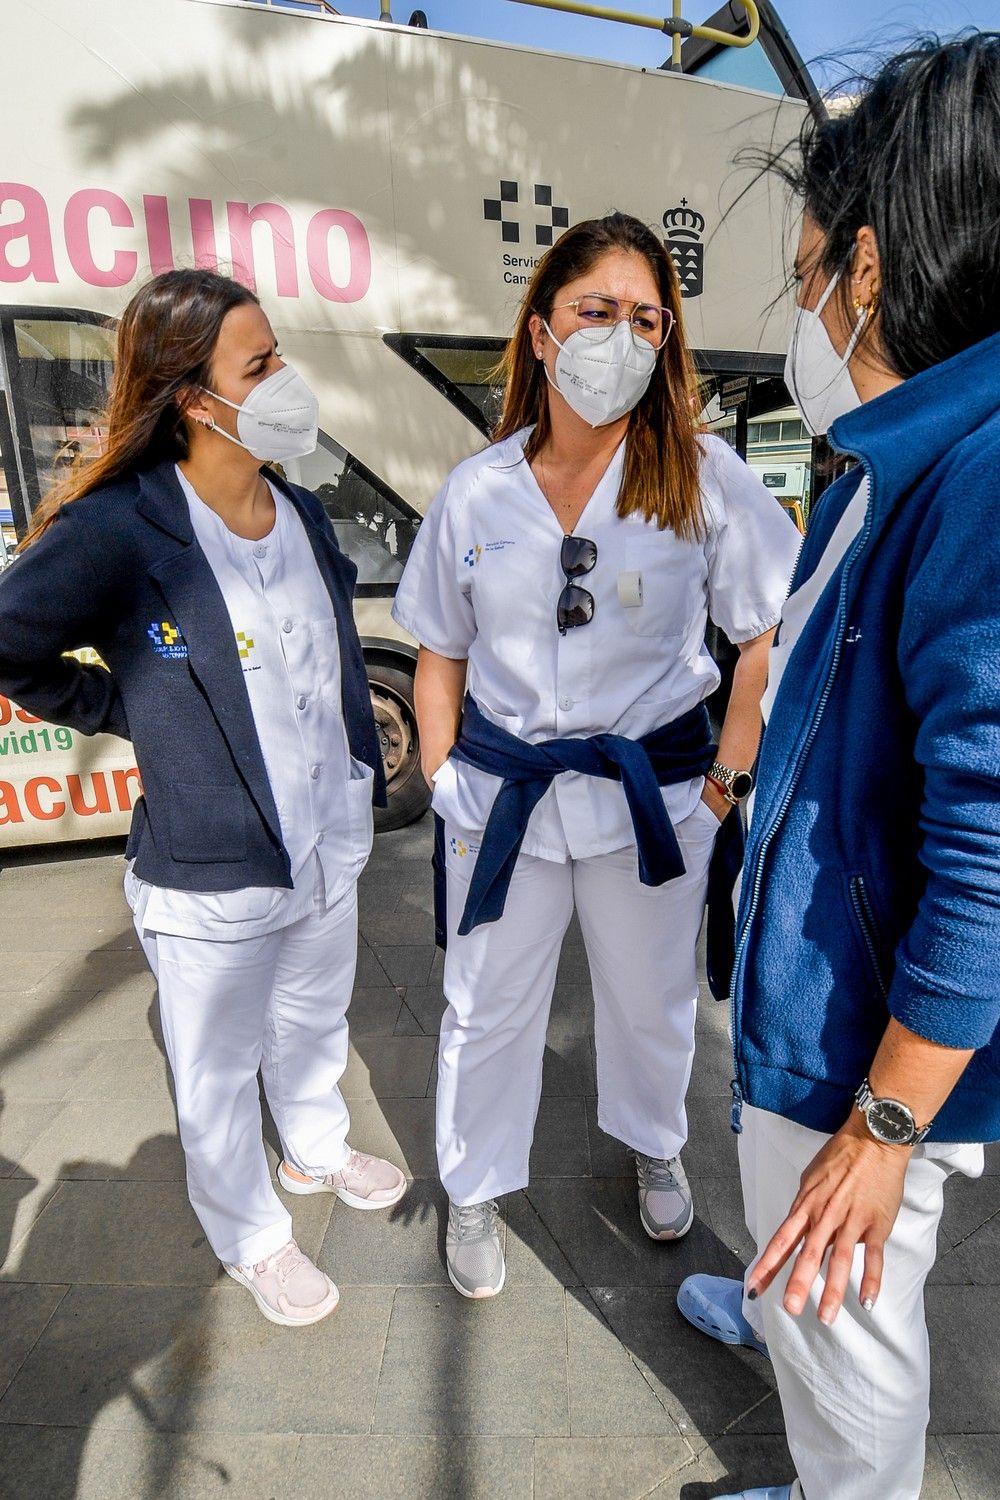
point(596, 311)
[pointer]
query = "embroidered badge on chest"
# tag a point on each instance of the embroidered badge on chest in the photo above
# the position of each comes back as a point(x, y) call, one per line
point(167, 640)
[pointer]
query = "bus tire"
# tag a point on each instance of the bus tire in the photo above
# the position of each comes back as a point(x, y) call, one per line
point(391, 687)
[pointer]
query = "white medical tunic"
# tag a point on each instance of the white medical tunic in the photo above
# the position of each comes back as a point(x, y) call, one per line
point(286, 636)
point(483, 580)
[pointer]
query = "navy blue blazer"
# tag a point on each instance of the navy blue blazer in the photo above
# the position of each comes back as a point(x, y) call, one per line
point(120, 570)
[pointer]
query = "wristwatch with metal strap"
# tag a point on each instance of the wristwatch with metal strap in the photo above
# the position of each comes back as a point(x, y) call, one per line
point(734, 785)
point(888, 1120)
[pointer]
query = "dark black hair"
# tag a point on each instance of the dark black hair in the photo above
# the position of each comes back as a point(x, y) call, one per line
point(918, 158)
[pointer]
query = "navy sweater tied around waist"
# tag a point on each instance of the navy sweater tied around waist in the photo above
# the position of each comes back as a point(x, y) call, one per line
point(671, 754)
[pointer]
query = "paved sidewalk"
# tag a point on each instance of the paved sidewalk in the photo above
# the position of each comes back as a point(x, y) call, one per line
point(130, 1369)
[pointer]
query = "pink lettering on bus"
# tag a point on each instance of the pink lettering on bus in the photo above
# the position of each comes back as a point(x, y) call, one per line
point(359, 255)
point(242, 219)
point(124, 263)
point(38, 264)
point(337, 248)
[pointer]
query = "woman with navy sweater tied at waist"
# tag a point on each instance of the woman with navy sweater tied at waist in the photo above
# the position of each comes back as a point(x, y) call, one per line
point(562, 580)
point(222, 606)
point(866, 1003)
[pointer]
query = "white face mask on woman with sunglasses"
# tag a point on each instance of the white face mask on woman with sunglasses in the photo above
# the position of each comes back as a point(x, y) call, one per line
point(602, 372)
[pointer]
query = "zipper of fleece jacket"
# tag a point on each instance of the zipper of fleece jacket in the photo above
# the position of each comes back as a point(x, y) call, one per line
point(739, 1082)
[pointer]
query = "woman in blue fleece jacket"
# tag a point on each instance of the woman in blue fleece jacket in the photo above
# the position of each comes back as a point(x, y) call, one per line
point(865, 995)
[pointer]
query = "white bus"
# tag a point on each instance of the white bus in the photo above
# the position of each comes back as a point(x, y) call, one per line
point(386, 189)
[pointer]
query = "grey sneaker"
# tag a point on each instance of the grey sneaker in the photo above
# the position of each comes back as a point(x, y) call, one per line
point(473, 1255)
point(665, 1205)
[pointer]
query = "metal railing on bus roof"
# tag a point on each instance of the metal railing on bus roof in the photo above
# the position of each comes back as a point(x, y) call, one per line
point(674, 25)
point(316, 7)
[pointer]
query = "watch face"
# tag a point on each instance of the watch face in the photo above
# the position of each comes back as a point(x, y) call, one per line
point(742, 784)
point(891, 1122)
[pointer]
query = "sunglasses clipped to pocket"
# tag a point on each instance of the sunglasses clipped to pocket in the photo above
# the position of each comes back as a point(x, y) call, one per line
point(576, 605)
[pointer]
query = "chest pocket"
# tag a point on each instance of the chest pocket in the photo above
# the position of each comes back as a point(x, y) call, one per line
point(668, 570)
point(326, 662)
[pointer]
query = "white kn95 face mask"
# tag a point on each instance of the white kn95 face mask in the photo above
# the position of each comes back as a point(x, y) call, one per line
point(278, 420)
point(601, 376)
point(817, 376)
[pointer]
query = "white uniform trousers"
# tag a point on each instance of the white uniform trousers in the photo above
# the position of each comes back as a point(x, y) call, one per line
point(498, 982)
point(276, 1003)
point(855, 1396)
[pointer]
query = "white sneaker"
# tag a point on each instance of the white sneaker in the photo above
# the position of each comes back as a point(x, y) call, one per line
point(288, 1288)
point(363, 1182)
point(473, 1255)
point(665, 1205)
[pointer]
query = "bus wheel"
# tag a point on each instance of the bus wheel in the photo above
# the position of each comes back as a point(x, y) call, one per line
point(392, 699)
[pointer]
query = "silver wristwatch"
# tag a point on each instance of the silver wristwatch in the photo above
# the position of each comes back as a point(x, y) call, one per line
point(888, 1120)
point(737, 784)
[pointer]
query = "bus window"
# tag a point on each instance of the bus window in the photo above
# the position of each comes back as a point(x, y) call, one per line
point(462, 369)
point(61, 388)
point(373, 525)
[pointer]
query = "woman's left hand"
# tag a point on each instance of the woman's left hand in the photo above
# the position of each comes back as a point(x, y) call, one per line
point(714, 800)
point(850, 1195)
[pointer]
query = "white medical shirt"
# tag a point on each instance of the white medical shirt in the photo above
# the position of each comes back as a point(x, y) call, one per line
point(482, 583)
point(286, 636)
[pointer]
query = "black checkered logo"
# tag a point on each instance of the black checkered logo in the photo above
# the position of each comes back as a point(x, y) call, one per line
point(548, 218)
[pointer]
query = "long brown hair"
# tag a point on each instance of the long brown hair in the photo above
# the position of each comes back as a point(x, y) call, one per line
point(165, 342)
point(662, 454)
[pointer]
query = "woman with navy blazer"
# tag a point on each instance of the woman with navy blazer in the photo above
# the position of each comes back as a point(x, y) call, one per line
point(220, 602)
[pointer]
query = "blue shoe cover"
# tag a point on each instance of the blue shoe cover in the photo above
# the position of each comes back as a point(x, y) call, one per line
point(770, 1492)
point(714, 1305)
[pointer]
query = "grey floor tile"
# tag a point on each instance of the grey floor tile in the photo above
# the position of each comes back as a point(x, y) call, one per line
point(399, 929)
point(72, 1464)
point(711, 1145)
point(401, 1130)
point(599, 1468)
point(454, 1366)
point(573, 1007)
point(412, 1468)
point(24, 1313)
point(532, 1254)
point(130, 1139)
point(126, 1011)
point(374, 1011)
point(560, 1147)
point(118, 1234)
point(729, 1465)
point(609, 1392)
point(596, 1224)
point(370, 973)
point(608, 1157)
point(22, 1200)
point(100, 969)
point(426, 1003)
point(383, 1067)
point(706, 1387)
point(568, 1067)
point(21, 1125)
point(200, 1360)
point(401, 1246)
point(720, 1200)
point(964, 1324)
point(974, 1464)
point(123, 1070)
point(46, 1073)
point(406, 963)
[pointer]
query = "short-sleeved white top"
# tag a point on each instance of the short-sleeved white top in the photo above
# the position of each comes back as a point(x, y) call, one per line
point(483, 580)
